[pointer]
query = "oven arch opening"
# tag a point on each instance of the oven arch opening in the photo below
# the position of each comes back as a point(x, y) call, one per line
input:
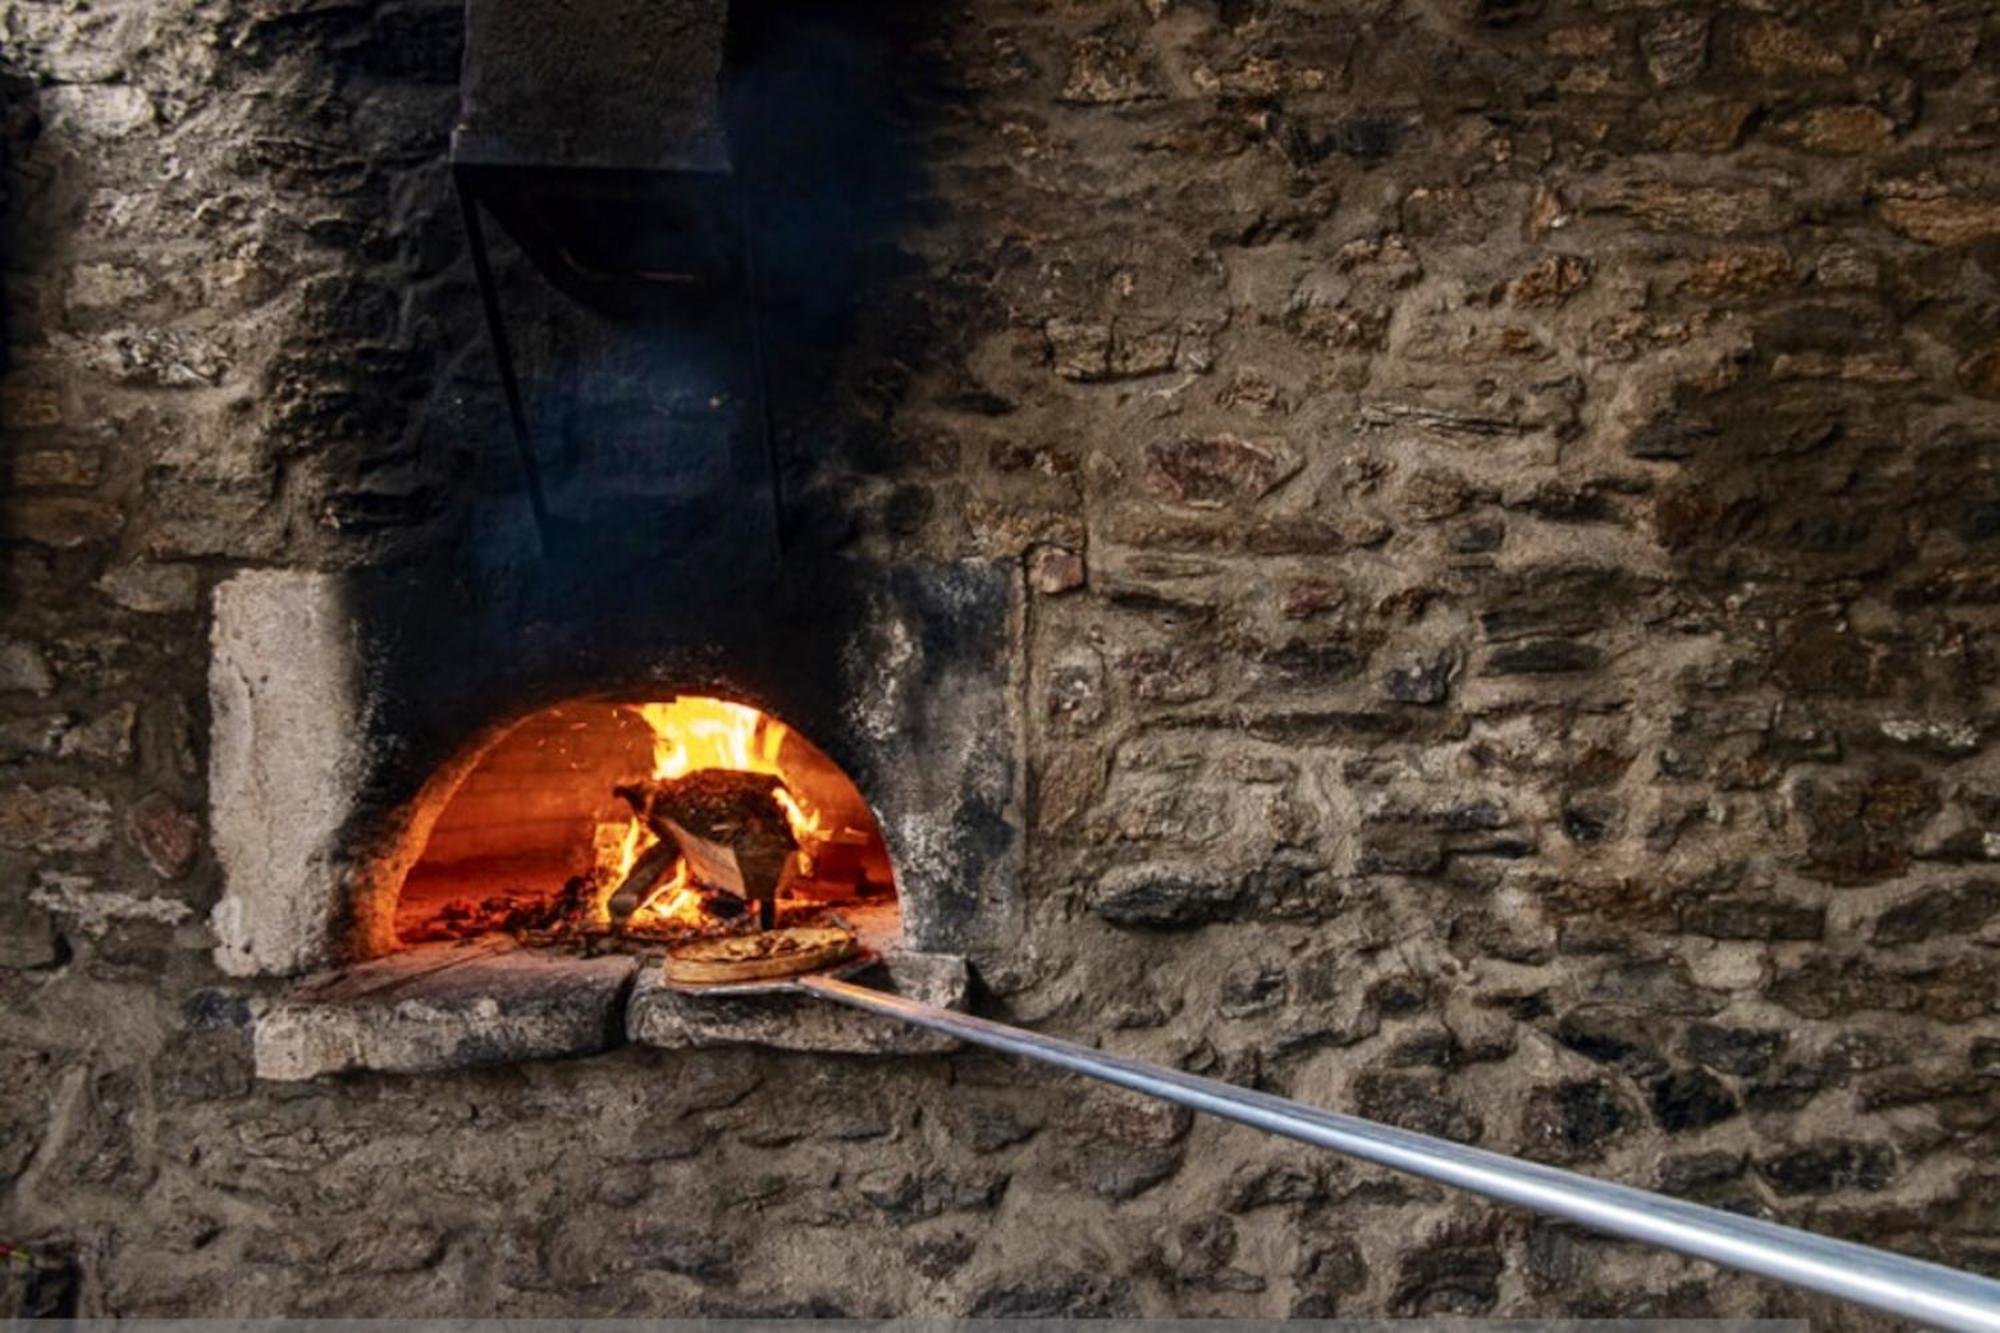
point(553, 830)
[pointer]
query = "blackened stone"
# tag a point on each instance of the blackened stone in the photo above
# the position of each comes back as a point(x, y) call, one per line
point(1560, 1255)
point(1611, 1037)
point(1573, 1120)
point(1951, 991)
point(1952, 911)
point(1252, 993)
point(1499, 13)
point(1427, 1050)
point(1940, 1088)
point(1367, 136)
point(1398, 997)
point(1198, 1254)
point(1473, 816)
point(1836, 1164)
point(1589, 822)
point(1399, 849)
point(1691, 1099)
point(1982, 521)
point(1292, 888)
point(1414, 1102)
point(1544, 657)
point(28, 936)
point(1657, 985)
point(1791, 1085)
point(1208, 1241)
point(1986, 1055)
point(940, 1258)
point(1056, 1295)
point(703, 1257)
point(1558, 602)
point(1860, 830)
point(990, 1129)
point(1334, 1268)
point(1147, 897)
point(1732, 1050)
point(1675, 48)
point(1123, 1169)
point(47, 1285)
point(1477, 537)
point(913, 1196)
point(1754, 919)
point(1424, 679)
point(1692, 1173)
point(1302, 662)
point(1123, 1146)
point(1254, 1188)
point(1522, 1007)
point(1458, 1273)
point(216, 1009)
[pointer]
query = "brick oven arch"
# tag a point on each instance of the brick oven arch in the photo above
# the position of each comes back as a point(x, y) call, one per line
point(346, 709)
point(533, 809)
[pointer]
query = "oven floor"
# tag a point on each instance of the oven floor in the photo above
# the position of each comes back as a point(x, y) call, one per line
point(489, 1000)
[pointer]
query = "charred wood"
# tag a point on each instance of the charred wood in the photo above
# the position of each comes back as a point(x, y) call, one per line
point(653, 865)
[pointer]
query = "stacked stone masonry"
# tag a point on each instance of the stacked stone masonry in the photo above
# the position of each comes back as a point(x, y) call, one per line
point(1508, 493)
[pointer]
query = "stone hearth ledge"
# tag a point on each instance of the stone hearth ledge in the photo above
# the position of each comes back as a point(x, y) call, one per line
point(445, 1006)
point(661, 1017)
point(489, 1001)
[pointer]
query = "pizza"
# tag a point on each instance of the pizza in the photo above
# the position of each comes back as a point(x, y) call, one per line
point(789, 952)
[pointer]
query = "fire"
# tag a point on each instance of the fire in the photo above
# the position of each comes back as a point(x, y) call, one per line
point(690, 734)
point(694, 733)
point(674, 900)
point(553, 881)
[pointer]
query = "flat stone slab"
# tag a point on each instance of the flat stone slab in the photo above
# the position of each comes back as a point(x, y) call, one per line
point(658, 1016)
point(445, 1006)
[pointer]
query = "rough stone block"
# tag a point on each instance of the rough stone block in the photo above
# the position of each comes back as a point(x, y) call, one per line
point(151, 588)
point(27, 936)
point(659, 1016)
point(53, 819)
point(167, 836)
point(286, 753)
point(27, 407)
point(64, 522)
point(95, 911)
point(449, 1006)
point(24, 668)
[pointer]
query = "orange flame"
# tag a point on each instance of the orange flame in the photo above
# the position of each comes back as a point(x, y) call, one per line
point(691, 733)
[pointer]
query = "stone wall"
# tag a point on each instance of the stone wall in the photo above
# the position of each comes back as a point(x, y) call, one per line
point(1507, 489)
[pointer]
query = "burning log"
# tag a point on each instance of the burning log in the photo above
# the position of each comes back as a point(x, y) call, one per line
point(652, 866)
point(728, 824)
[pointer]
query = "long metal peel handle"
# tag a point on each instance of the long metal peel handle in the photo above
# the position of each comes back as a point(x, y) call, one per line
point(1894, 1283)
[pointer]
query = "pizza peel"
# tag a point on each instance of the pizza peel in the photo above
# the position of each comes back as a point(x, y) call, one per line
point(1876, 1279)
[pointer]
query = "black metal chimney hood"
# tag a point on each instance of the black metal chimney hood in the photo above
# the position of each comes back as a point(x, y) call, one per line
point(595, 135)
